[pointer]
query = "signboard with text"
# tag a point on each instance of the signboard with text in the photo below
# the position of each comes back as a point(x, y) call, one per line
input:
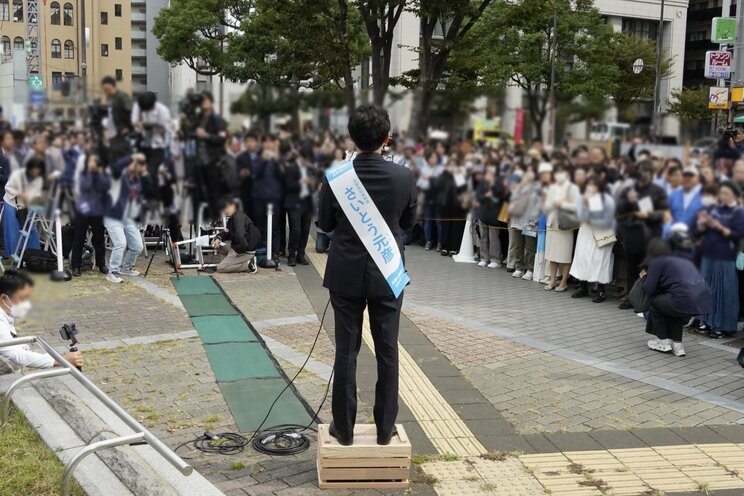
point(718, 98)
point(717, 64)
point(723, 30)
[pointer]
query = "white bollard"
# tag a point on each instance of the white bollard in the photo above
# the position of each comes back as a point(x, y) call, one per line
point(269, 263)
point(466, 253)
point(60, 274)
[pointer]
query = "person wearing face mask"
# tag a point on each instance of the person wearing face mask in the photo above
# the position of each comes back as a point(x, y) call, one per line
point(490, 194)
point(450, 187)
point(563, 195)
point(641, 210)
point(721, 227)
point(524, 211)
point(16, 289)
point(24, 187)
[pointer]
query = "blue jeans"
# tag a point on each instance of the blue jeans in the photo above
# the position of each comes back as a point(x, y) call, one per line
point(431, 212)
point(125, 236)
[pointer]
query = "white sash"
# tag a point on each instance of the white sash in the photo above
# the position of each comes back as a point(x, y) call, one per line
point(369, 225)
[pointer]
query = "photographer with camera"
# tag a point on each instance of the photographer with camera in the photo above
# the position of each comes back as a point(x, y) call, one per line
point(119, 122)
point(211, 136)
point(153, 120)
point(243, 236)
point(16, 289)
point(94, 184)
point(130, 181)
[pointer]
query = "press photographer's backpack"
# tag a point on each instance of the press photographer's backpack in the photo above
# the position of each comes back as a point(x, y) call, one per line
point(39, 261)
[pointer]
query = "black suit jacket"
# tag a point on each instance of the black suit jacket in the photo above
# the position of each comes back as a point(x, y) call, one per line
point(350, 269)
point(4, 173)
point(291, 178)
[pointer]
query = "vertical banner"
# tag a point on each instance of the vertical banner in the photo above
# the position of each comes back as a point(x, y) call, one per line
point(519, 127)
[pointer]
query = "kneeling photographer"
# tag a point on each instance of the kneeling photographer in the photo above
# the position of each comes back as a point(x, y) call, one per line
point(243, 236)
point(16, 289)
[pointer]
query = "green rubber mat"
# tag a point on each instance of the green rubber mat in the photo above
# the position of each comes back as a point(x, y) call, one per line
point(249, 377)
point(223, 329)
point(208, 304)
point(195, 285)
point(233, 361)
point(249, 401)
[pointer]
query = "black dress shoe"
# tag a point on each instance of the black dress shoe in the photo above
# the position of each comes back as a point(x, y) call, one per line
point(103, 269)
point(302, 260)
point(292, 261)
point(625, 305)
point(384, 441)
point(76, 272)
point(341, 440)
point(582, 292)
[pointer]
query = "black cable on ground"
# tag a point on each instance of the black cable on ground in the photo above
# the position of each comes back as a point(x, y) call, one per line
point(279, 440)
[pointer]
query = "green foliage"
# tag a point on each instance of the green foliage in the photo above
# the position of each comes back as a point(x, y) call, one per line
point(628, 87)
point(690, 104)
point(522, 42)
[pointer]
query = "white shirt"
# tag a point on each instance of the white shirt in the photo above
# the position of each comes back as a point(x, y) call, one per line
point(20, 355)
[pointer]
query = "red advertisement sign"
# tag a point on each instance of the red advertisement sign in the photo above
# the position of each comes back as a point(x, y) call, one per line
point(519, 127)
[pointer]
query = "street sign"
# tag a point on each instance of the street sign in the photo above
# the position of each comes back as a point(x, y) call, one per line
point(737, 95)
point(718, 98)
point(37, 98)
point(723, 30)
point(638, 66)
point(35, 82)
point(717, 64)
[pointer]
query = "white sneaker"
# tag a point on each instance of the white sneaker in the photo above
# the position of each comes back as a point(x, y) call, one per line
point(662, 345)
point(128, 272)
point(111, 277)
point(517, 274)
point(527, 275)
point(252, 267)
point(482, 263)
point(494, 265)
point(678, 349)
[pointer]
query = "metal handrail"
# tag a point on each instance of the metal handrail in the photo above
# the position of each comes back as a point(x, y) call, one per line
point(45, 374)
point(130, 421)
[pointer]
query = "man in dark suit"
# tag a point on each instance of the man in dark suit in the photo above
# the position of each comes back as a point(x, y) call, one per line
point(299, 180)
point(355, 282)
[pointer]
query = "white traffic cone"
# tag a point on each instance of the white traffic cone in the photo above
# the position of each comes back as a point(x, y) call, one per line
point(466, 253)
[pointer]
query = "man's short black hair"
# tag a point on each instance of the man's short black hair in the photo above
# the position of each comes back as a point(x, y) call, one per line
point(13, 281)
point(208, 96)
point(226, 202)
point(369, 127)
point(108, 80)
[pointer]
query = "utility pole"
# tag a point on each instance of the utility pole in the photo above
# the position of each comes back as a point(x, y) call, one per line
point(725, 12)
point(737, 76)
point(553, 56)
point(655, 119)
point(83, 46)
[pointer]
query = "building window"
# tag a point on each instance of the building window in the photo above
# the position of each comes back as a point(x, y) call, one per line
point(104, 50)
point(697, 36)
point(4, 10)
point(119, 74)
point(6, 44)
point(118, 43)
point(18, 43)
point(54, 9)
point(57, 80)
point(104, 18)
point(56, 49)
point(646, 30)
point(69, 49)
point(18, 10)
point(117, 9)
point(69, 18)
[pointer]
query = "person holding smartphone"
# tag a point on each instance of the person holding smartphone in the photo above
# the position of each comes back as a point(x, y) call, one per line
point(94, 184)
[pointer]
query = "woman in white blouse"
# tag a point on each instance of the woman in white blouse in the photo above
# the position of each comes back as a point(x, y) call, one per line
point(562, 195)
point(24, 187)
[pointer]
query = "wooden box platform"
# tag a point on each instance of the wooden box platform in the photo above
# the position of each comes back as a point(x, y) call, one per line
point(365, 464)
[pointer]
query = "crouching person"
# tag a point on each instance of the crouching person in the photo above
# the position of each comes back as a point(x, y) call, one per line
point(16, 289)
point(243, 236)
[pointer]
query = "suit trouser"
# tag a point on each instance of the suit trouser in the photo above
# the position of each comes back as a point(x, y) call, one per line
point(384, 320)
point(490, 244)
point(300, 219)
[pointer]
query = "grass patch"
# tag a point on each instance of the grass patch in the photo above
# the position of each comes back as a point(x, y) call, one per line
point(237, 466)
point(421, 459)
point(27, 465)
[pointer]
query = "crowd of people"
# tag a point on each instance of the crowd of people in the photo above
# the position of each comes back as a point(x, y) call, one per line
point(570, 218)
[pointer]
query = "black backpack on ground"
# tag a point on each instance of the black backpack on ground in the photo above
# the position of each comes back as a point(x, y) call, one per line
point(39, 261)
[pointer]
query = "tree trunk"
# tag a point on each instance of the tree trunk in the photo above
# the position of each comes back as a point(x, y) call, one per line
point(295, 123)
point(379, 80)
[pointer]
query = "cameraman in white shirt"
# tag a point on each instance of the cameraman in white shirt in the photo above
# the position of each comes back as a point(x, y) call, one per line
point(16, 289)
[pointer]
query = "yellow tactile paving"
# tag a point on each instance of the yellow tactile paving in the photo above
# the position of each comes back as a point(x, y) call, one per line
point(636, 471)
point(444, 428)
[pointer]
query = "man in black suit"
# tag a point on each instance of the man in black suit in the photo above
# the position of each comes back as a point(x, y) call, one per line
point(299, 180)
point(355, 282)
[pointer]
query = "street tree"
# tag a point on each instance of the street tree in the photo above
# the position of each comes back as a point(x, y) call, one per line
point(533, 43)
point(292, 45)
point(690, 104)
point(380, 18)
point(444, 24)
point(630, 88)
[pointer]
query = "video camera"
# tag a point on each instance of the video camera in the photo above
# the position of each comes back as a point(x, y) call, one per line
point(729, 132)
point(190, 105)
